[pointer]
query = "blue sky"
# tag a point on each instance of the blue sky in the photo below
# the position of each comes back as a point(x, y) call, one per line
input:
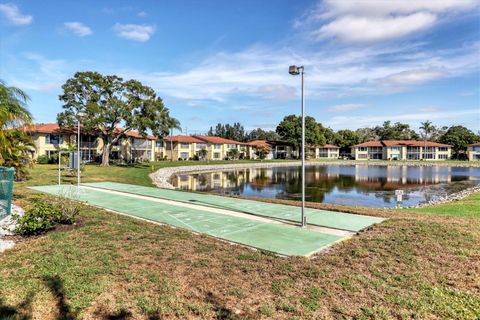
point(223, 61)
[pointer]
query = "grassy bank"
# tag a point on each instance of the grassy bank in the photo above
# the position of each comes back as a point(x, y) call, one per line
point(421, 263)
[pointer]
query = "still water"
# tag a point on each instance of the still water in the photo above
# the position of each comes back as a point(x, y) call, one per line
point(353, 185)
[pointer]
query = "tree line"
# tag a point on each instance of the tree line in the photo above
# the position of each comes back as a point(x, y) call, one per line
point(290, 130)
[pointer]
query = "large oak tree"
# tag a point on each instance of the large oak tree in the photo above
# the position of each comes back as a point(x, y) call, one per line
point(112, 107)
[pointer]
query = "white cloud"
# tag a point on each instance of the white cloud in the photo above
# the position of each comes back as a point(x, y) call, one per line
point(334, 73)
point(411, 77)
point(368, 21)
point(346, 107)
point(142, 14)
point(355, 29)
point(13, 15)
point(78, 28)
point(136, 32)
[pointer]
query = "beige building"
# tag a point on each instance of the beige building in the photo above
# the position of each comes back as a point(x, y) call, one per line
point(327, 151)
point(275, 149)
point(179, 147)
point(401, 150)
point(49, 139)
point(473, 152)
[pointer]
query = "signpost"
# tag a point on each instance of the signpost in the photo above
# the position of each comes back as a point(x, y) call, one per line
point(399, 194)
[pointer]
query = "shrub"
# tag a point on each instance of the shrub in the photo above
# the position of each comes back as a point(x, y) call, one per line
point(43, 159)
point(37, 219)
point(68, 206)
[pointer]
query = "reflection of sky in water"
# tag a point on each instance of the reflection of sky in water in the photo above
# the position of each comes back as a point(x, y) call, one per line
point(357, 185)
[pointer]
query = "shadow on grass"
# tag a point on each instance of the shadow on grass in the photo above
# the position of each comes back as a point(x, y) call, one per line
point(55, 284)
point(21, 312)
point(222, 313)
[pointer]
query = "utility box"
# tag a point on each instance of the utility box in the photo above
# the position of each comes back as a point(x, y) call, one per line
point(73, 161)
point(6, 190)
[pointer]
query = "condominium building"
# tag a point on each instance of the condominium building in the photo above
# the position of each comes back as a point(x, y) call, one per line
point(218, 147)
point(401, 150)
point(179, 147)
point(275, 149)
point(326, 151)
point(50, 138)
point(473, 151)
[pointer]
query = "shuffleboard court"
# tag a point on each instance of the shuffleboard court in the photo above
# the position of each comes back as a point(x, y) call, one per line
point(274, 237)
point(324, 218)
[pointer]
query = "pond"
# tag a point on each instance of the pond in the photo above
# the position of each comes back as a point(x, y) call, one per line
point(353, 185)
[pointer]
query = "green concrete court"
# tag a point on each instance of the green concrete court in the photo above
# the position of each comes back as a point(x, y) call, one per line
point(274, 237)
point(324, 218)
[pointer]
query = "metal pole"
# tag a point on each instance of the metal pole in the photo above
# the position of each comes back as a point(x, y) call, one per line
point(171, 144)
point(59, 168)
point(78, 152)
point(304, 220)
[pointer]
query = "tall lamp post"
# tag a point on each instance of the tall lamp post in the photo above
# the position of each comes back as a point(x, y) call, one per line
point(79, 158)
point(294, 71)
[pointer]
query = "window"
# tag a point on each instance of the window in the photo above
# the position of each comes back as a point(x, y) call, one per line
point(476, 148)
point(53, 139)
point(429, 149)
point(232, 146)
point(362, 156)
point(413, 149)
point(444, 149)
point(216, 155)
point(428, 156)
point(395, 149)
point(443, 156)
point(184, 155)
point(217, 146)
point(159, 144)
point(184, 145)
point(201, 146)
point(362, 149)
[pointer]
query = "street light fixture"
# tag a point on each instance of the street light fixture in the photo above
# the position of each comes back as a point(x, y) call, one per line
point(294, 71)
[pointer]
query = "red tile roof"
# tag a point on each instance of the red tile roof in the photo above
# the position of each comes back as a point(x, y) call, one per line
point(476, 144)
point(398, 143)
point(42, 128)
point(55, 128)
point(136, 134)
point(372, 143)
point(218, 140)
point(330, 146)
point(183, 139)
point(258, 143)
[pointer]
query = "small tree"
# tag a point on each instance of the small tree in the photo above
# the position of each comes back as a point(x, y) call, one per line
point(427, 127)
point(262, 151)
point(233, 154)
point(108, 102)
point(203, 154)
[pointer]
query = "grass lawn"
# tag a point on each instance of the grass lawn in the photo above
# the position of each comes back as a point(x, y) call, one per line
point(421, 264)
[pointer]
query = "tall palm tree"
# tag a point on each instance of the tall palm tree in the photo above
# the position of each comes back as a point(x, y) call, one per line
point(427, 127)
point(14, 143)
point(13, 107)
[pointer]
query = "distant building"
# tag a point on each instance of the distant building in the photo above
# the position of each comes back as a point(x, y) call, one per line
point(473, 152)
point(180, 147)
point(275, 149)
point(401, 150)
point(326, 151)
point(219, 147)
point(50, 138)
